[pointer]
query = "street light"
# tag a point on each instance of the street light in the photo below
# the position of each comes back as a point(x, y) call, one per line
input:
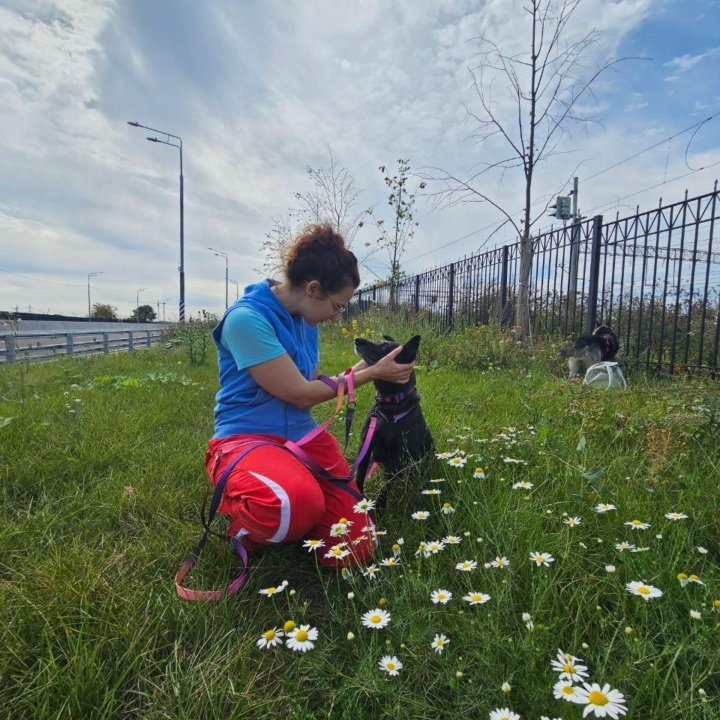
point(222, 254)
point(92, 274)
point(179, 146)
point(237, 285)
point(137, 304)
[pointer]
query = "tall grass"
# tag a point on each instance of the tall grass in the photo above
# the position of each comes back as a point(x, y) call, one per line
point(99, 506)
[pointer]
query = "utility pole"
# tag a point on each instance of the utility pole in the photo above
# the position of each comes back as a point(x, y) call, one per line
point(92, 274)
point(237, 288)
point(222, 254)
point(163, 312)
point(137, 304)
point(574, 242)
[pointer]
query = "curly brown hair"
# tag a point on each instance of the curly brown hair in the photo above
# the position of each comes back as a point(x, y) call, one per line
point(319, 253)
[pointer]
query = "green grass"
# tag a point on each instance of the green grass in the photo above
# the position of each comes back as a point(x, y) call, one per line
point(99, 507)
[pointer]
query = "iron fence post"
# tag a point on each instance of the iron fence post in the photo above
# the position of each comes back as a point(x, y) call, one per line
point(451, 294)
point(594, 274)
point(503, 284)
point(417, 293)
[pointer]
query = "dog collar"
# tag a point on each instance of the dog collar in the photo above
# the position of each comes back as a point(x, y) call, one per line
point(396, 399)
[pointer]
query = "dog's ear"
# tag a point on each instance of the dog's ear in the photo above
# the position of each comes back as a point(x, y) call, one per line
point(409, 351)
point(389, 338)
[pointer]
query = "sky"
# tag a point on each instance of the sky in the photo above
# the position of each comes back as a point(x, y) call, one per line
point(259, 92)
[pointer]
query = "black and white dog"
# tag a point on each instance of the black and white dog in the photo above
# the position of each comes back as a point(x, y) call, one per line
point(401, 435)
point(601, 346)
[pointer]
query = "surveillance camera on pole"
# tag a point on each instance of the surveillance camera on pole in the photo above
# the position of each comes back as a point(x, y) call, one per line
point(561, 208)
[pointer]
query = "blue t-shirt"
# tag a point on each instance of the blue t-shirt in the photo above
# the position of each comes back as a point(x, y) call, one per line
point(249, 338)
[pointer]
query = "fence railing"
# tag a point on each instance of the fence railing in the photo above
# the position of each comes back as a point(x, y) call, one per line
point(44, 345)
point(653, 276)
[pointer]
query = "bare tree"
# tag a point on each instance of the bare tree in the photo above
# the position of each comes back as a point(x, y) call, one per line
point(331, 198)
point(545, 86)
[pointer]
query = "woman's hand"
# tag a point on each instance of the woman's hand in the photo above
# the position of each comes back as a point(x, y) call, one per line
point(391, 371)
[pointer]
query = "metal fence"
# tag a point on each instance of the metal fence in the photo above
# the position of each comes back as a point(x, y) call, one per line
point(653, 276)
point(17, 345)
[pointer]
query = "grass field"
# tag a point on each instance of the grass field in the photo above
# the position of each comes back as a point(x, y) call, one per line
point(101, 469)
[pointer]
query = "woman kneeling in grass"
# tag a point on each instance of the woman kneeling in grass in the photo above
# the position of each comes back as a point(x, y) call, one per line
point(267, 345)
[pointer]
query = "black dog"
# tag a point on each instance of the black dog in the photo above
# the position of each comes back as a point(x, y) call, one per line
point(401, 435)
point(602, 345)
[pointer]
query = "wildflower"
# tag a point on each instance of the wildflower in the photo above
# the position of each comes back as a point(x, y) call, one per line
point(503, 714)
point(637, 525)
point(639, 549)
point(268, 592)
point(610, 568)
point(452, 540)
point(447, 509)
point(313, 544)
point(346, 573)
point(676, 516)
point(604, 507)
point(289, 626)
point(457, 461)
point(337, 551)
point(340, 528)
point(396, 549)
point(522, 485)
point(466, 565)
point(364, 506)
point(445, 455)
point(376, 619)
point(506, 687)
point(601, 701)
point(696, 615)
point(441, 596)
point(437, 480)
point(421, 550)
point(716, 605)
point(390, 562)
point(420, 515)
point(564, 690)
point(685, 579)
point(476, 598)
point(390, 664)
point(433, 547)
point(644, 591)
point(622, 546)
point(572, 521)
point(301, 639)
point(569, 667)
point(542, 559)
point(499, 562)
point(270, 638)
point(513, 461)
point(431, 491)
point(701, 550)
point(438, 644)
point(350, 636)
point(479, 474)
point(370, 571)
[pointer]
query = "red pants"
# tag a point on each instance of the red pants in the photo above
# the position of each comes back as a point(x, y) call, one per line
point(271, 497)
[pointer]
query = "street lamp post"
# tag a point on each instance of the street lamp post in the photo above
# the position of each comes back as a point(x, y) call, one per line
point(92, 274)
point(179, 146)
point(137, 304)
point(222, 254)
point(237, 286)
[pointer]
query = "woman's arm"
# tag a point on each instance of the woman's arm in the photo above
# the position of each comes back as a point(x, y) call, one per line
point(281, 378)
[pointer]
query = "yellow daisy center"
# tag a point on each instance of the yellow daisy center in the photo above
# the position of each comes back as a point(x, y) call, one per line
point(568, 668)
point(390, 666)
point(301, 635)
point(540, 559)
point(289, 626)
point(375, 618)
point(269, 634)
point(682, 576)
point(476, 596)
point(446, 505)
point(694, 577)
point(395, 547)
point(342, 521)
point(336, 551)
point(643, 589)
point(597, 698)
point(568, 690)
point(271, 590)
point(636, 522)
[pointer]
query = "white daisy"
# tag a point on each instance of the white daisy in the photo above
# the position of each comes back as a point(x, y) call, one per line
point(301, 639)
point(476, 598)
point(390, 664)
point(340, 528)
point(466, 565)
point(438, 480)
point(572, 521)
point(522, 485)
point(364, 506)
point(604, 507)
point(513, 461)
point(685, 579)
point(639, 549)
point(499, 562)
point(676, 516)
point(273, 590)
point(542, 559)
point(420, 515)
point(601, 701)
point(441, 596)
point(433, 547)
point(637, 525)
point(270, 638)
point(622, 546)
point(337, 551)
point(313, 544)
point(371, 571)
point(643, 590)
point(431, 491)
point(390, 562)
point(503, 714)
point(438, 644)
point(479, 474)
point(565, 690)
point(376, 619)
point(452, 540)
point(569, 669)
point(457, 461)
point(695, 615)
point(447, 509)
